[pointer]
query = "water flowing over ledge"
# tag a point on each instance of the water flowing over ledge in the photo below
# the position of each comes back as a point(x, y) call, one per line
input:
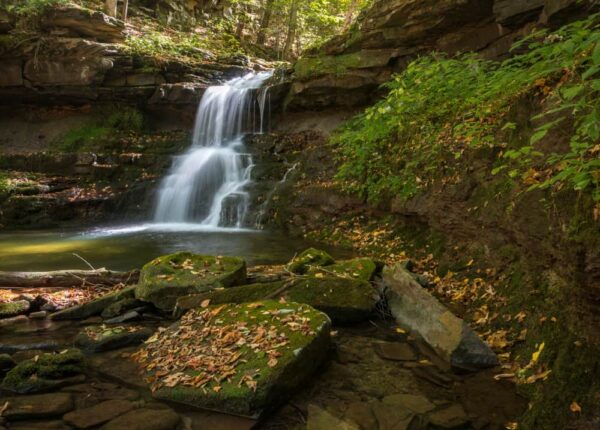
point(206, 185)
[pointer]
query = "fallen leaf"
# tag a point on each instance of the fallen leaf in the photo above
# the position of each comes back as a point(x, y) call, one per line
point(205, 303)
point(575, 408)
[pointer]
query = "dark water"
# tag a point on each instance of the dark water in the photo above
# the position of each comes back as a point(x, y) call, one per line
point(129, 247)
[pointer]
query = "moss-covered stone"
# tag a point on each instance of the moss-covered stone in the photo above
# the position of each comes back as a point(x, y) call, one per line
point(12, 309)
point(337, 65)
point(166, 278)
point(103, 338)
point(311, 257)
point(344, 300)
point(95, 307)
point(260, 354)
point(6, 363)
point(45, 372)
point(358, 268)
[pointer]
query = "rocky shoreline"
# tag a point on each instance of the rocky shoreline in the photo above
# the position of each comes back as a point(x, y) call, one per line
point(248, 350)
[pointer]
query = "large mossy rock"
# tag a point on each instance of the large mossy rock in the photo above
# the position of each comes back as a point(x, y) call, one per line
point(100, 338)
point(166, 278)
point(236, 358)
point(44, 372)
point(312, 257)
point(94, 307)
point(344, 300)
point(357, 268)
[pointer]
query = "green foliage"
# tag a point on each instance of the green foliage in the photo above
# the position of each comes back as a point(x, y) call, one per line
point(93, 133)
point(33, 7)
point(440, 108)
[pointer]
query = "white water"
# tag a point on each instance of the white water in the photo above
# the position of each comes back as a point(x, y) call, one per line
point(206, 185)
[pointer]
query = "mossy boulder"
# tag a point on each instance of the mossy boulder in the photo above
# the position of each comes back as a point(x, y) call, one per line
point(166, 278)
point(357, 268)
point(14, 308)
point(6, 363)
point(44, 372)
point(103, 338)
point(237, 358)
point(344, 300)
point(94, 307)
point(310, 258)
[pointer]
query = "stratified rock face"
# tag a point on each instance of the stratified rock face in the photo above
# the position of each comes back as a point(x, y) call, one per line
point(413, 307)
point(84, 22)
point(348, 70)
point(83, 59)
point(166, 278)
point(239, 359)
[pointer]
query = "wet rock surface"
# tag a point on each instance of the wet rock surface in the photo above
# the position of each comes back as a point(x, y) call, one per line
point(103, 338)
point(38, 406)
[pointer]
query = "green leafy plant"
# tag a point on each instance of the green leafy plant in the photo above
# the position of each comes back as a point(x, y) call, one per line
point(440, 108)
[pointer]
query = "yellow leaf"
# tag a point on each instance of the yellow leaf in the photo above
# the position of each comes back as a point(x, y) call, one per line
point(575, 407)
point(536, 355)
point(470, 263)
point(318, 275)
point(401, 331)
point(205, 303)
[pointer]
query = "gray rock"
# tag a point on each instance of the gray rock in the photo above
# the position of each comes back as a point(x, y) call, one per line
point(38, 315)
point(98, 414)
point(120, 307)
point(36, 425)
point(414, 402)
point(391, 416)
point(38, 406)
point(127, 316)
point(145, 419)
point(413, 307)
point(397, 351)
point(320, 419)
point(85, 22)
point(5, 322)
point(453, 417)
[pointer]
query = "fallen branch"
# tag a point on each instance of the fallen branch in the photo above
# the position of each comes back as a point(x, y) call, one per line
point(66, 278)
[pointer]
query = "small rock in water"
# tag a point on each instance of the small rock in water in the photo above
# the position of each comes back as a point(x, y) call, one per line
point(6, 363)
point(98, 414)
point(103, 338)
point(395, 351)
point(38, 315)
point(38, 406)
point(145, 419)
point(320, 419)
point(128, 316)
point(452, 417)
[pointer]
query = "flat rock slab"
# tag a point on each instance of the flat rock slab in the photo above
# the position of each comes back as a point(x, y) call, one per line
point(396, 351)
point(166, 278)
point(239, 359)
point(36, 425)
point(102, 338)
point(308, 259)
point(321, 419)
point(98, 414)
point(343, 300)
point(413, 307)
point(145, 419)
point(37, 406)
point(453, 417)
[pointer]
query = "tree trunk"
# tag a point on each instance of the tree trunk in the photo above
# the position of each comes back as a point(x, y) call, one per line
point(110, 8)
point(265, 22)
point(66, 278)
point(292, 27)
point(125, 9)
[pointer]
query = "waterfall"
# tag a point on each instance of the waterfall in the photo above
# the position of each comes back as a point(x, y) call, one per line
point(206, 185)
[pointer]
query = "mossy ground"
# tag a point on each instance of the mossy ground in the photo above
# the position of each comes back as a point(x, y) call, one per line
point(310, 257)
point(358, 268)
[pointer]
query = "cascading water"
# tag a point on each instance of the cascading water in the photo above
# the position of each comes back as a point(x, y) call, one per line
point(206, 184)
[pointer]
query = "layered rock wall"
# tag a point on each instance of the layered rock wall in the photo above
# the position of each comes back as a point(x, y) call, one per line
point(348, 70)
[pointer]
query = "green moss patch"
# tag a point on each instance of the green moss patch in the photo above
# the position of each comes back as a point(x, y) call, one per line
point(45, 372)
point(311, 257)
point(237, 358)
point(344, 300)
point(166, 278)
point(358, 268)
point(11, 309)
